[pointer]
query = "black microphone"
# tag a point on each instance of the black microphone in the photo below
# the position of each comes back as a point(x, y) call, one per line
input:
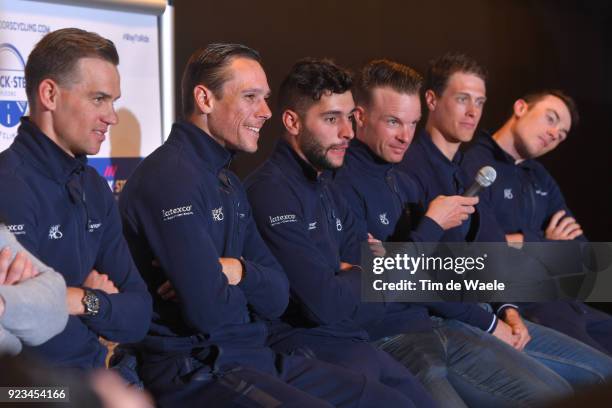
point(484, 178)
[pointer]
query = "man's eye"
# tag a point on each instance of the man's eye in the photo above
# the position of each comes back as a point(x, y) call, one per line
point(392, 122)
point(331, 119)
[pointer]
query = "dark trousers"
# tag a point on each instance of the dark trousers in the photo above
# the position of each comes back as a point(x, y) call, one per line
point(298, 382)
point(360, 357)
point(575, 319)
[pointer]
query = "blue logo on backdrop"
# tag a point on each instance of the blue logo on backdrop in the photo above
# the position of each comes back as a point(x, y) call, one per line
point(13, 100)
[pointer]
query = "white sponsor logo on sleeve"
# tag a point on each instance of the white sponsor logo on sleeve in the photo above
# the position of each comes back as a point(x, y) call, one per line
point(282, 219)
point(17, 229)
point(173, 213)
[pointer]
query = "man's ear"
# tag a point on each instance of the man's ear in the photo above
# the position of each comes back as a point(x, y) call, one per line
point(431, 100)
point(360, 116)
point(204, 99)
point(48, 93)
point(520, 107)
point(292, 122)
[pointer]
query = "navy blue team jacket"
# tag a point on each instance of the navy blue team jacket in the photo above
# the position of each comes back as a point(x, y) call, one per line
point(436, 175)
point(184, 209)
point(310, 230)
point(525, 196)
point(62, 211)
point(390, 203)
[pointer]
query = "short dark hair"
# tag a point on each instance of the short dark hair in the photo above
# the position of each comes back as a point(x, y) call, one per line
point(57, 53)
point(534, 97)
point(384, 73)
point(206, 66)
point(442, 68)
point(308, 80)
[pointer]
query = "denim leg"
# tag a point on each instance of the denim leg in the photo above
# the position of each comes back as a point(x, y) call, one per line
point(424, 355)
point(462, 365)
point(575, 361)
point(599, 326)
point(573, 319)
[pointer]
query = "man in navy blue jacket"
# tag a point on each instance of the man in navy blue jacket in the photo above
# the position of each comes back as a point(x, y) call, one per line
point(312, 232)
point(455, 95)
point(443, 353)
point(188, 221)
point(529, 204)
point(60, 209)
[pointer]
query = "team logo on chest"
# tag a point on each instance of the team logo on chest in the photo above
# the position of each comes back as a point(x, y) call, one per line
point(542, 193)
point(508, 194)
point(338, 224)
point(383, 219)
point(55, 233)
point(217, 214)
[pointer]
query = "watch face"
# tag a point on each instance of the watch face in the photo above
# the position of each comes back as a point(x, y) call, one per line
point(91, 303)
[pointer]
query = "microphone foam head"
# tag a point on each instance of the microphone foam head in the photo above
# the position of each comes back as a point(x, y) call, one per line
point(486, 176)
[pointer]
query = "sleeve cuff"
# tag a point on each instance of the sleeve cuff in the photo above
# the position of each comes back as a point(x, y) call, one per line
point(493, 325)
point(483, 319)
point(251, 277)
point(428, 231)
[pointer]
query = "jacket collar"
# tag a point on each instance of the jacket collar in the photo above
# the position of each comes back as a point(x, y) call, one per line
point(360, 154)
point(435, 156)
point(294, 166)
point(486, 140)
point(44, 154)
point(201, 145)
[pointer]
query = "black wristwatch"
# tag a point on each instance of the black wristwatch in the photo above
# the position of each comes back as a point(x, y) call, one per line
point(91, 303)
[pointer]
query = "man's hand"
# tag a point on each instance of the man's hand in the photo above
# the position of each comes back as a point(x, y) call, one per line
point(514, 320)
point(376, 246)
point(100, 281)
point(450, 211)
point(515, 240)
point(562, 228)
point(166, 291)
point(232, 269)
point(504, 333)
point(19, 270)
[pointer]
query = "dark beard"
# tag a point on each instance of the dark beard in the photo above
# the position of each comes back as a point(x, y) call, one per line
point(315, 153)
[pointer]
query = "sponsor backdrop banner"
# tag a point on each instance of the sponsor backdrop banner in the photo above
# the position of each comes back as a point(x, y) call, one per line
point(24, 23)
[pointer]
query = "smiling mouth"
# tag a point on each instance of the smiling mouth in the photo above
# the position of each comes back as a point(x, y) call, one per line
point(253, 129)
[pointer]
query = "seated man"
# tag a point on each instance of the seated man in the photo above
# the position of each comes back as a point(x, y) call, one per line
point(32, 298)
point(455, 94)
point(188, 221)
point(455, 358)
point(312, 232)
point(529, 205)
point(61, 210)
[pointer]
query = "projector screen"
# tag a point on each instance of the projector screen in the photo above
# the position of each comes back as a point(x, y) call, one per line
point(139, 132)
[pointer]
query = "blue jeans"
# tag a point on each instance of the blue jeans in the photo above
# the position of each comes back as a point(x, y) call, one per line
point(575, 319)
point(577, 362)
point(463, 366)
